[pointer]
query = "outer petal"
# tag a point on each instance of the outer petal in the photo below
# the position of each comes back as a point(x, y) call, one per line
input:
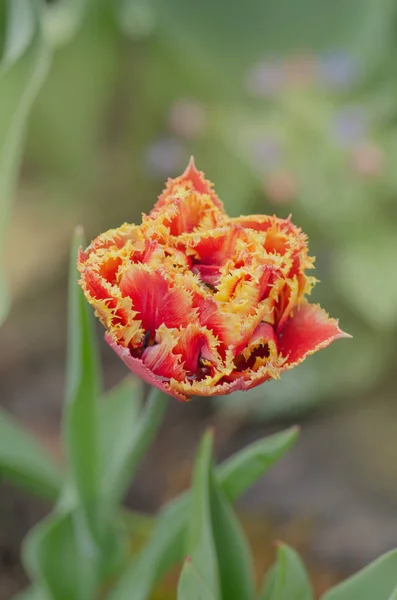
point(138, 368)
point(308, 330)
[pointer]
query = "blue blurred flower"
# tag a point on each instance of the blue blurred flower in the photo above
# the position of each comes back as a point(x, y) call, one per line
point(349, 125)
point(265, 79)
point(338, 70)
point(266, 152)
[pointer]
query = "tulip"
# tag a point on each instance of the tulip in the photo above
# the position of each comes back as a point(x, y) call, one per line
point(201, 304)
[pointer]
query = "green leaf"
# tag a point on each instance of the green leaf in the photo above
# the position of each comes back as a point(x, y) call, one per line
point(80, 425)
point(31, 593)
point(288, 579)
point(191, 585)
point(61, 20)
point(24, 462)
point(377, 580)
point(22, 72)
point(82, 356)
point(118, 413)
point(269, 584)
point(200, 541)
point(166, 547)
point(234, 558)
point(60, 557)
point(20, 28)
point(394, 595)
point(240, 471)
point(134, 440)
point(67, 142)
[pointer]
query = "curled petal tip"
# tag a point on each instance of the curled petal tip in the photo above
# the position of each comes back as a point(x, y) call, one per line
point(343, 334)
point(191, 165)
point(309, 329)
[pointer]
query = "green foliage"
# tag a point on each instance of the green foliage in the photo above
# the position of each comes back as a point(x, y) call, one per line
point(23, 67)
point(191, 584)
point(377, 580)
point(61, 558)
point(30, 594)
point(24, 462)
point(81, 407)
point(68, 144)
point(234, 559)
point(287, 580)
point(166, 545)
point(200, 544)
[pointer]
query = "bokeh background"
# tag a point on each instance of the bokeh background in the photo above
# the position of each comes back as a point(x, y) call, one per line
point(290, 107)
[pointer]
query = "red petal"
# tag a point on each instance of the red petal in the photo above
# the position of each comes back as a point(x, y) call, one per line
point(136, 366)
point(154, 300)
point(216, 246)
point(194, 342)
point(162, 361)
point(308, 330)
point(208, 273)
point(209, 316)
point(94, 285)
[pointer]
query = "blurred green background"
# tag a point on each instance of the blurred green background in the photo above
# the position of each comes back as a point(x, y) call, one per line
point(289, 106)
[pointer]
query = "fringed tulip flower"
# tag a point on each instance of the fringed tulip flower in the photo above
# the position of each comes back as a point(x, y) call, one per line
point(198, 303)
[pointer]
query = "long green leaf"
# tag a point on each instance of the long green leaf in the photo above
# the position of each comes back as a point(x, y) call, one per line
point(234, 558)
point(60, 559)
point(393, 595)
point(191, 584)
point(82, 367)
point(200, 540)
point(376, 581)
point(24, 68)
point(80, 419)
point(242, 469)
point(118, 413)
point(166, 544)
point(288, 579)
point(134, 440)
point(24, 462)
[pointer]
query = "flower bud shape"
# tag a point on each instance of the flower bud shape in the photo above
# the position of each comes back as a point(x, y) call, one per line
point(201, 304)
